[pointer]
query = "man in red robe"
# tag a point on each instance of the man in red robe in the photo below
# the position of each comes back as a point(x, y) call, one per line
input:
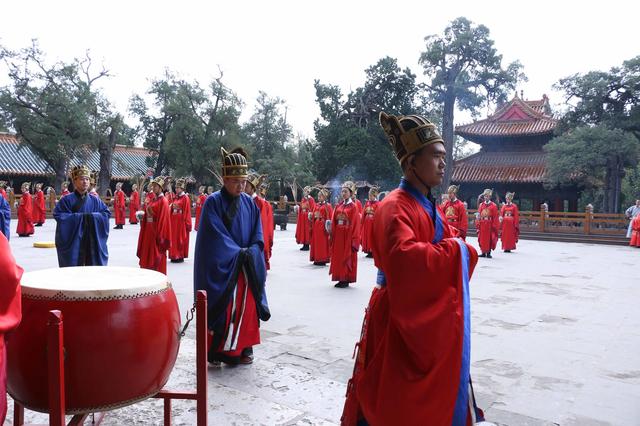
point(202, 197)
point(180, 208)
point(134, 204)
point(267, 232)
point(119, 206)
point(510, 224)
point(39, 206)
point(487, 224)
point(10, 311)
point(254, 182)
point(25, 212)
point(455, 212)
point(64, 189)
point(155, 230)
point(320, 253)
point(413, 361)
point(345, 239)
point(367, 220)
point(303, 225)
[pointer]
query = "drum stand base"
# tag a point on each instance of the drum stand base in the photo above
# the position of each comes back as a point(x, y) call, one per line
point(55, 361)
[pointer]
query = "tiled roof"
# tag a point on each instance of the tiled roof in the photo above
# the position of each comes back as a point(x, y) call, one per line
point(515, 118)
point(20, 159)
point(507, 167)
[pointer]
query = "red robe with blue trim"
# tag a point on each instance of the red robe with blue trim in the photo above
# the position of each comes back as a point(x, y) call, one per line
point(413, 361)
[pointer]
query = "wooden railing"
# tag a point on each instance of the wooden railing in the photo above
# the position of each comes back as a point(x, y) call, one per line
point(587, 223)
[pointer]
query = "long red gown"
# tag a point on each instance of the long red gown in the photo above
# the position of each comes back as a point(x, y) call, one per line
point(180, 226)
point(320, 240)
point(367, 225)
point(134, 206)
point(25, 218)
point(199, 203)
point(267, 227)
point(635, 232)
point(39, 207)
point(268, 232)
point(409, 359)
point(510, 226)
point(456, 216)
point(119, 207)
point(10, 311)
point(345, 241)
point(303, 225)
point(155, 234)
point(488, 225)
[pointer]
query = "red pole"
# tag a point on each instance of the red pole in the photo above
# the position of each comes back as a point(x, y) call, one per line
point(201, 356)
point(55, 361)
point(18, 414)
point(167, 411)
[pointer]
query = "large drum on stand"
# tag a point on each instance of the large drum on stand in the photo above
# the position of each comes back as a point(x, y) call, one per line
point(121, 338)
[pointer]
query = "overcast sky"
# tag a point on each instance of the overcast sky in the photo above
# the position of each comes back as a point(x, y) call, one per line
point(280, 47)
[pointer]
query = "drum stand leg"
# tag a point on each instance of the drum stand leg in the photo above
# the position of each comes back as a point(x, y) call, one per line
point(55, 368)
point(200, 395)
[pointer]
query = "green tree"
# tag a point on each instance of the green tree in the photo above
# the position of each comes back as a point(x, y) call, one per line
point(267, 131)
point(592, 158)
point(55, 109)
point(466, 72)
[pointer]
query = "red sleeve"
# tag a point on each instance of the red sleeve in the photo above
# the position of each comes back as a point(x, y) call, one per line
point(10, 300)
point(163, 225)
point(463, 220)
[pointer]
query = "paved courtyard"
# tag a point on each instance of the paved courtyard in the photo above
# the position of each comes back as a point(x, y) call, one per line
point(556, 337)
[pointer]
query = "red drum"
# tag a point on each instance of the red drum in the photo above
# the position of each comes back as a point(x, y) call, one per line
point(121, 339)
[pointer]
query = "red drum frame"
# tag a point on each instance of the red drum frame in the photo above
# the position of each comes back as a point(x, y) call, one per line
point(55, 364)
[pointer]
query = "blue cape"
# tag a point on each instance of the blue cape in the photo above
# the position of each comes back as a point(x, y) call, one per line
point(5, 217)
point(223, 250)
point(82, 230)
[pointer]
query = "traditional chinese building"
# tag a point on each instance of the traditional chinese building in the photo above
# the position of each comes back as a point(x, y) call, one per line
point(19, 163)
point(511, 158)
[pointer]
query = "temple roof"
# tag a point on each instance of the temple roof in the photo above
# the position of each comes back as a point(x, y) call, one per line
point(515, 118)
point(18, 159)
point(506, 167)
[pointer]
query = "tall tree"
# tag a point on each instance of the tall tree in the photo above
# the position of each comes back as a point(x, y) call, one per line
point(55, 109)
point(466, 72)
point(592, 158)
point(267, 130)
point(156, 122)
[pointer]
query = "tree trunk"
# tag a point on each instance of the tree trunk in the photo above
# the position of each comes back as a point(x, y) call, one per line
point(61, 167)
point(607, 189)
point(447, 135)
point(105, 149)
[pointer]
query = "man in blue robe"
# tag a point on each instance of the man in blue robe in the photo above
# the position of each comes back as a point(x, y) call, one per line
point(82, 225)
point(5, 217)
point(229, 265)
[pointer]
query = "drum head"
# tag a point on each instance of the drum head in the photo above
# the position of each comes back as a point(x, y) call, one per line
point(92, 283)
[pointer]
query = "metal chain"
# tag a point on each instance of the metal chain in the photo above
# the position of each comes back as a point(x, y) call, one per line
point(190, 315)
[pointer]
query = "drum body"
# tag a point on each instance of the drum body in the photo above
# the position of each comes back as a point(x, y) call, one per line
point(120, 336)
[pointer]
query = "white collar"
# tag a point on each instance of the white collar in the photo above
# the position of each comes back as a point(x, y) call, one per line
point(348, 201)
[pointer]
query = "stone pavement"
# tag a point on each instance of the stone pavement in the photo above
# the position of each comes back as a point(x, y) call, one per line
point(556, 337)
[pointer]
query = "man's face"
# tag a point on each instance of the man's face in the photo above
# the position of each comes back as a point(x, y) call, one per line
point(179, 190)
point(157, 189)
point(638, 203)
point(321, 197)
point(249, 188)
point(81, 184)
point(486, 198)
point(452, 195)
point(429, 164)
point(234, 185)
point(346, 194)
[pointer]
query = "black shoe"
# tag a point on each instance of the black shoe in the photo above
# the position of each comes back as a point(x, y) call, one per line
point(247, 356)
point(341, 284)
point(320, 263)
point(369, 255)
point(177, 260)
point(38, 224)
point(489, 256)
point(305, 247)
point(507, 251)
point(483, 255)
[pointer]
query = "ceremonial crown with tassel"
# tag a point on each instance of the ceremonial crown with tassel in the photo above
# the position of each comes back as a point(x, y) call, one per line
point(234, 163)
point(80, 171)
point(453, 188)
point(374, 191)
point(254, 179)
point(350, 186)
point(408, 133)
